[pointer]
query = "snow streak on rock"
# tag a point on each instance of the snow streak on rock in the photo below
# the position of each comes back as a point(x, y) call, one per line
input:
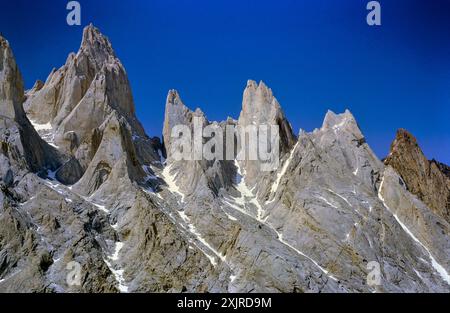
point(114, 257)
point(193, 230)
point(283, 170)
point(247, 195)
point(279, 237)
point(46, 132)
point(170, 181)
point(117, 272)
point(173, 188)
point(438, 267)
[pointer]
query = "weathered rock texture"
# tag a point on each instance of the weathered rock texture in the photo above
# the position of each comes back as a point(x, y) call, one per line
point(76, 100)
point(20, 142)
point(428, 180)
point(97, 191)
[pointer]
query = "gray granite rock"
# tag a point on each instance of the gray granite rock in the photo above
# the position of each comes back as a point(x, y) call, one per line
point(103, 194)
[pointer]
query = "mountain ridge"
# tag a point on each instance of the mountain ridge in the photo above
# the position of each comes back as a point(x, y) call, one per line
point(138, 220)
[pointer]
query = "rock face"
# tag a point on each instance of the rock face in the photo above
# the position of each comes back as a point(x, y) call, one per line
point(20, 142)
point(76, 100)
point(75, 210)
point(98, 196)
point(11, 89)
point(176, 114)
point(260, 107)
point(428, 180)
point(39, 226)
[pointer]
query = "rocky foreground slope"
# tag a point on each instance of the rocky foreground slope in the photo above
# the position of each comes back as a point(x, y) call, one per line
point(82, 182)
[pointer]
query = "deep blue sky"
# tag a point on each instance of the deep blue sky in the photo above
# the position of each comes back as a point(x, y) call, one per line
point(315, 55)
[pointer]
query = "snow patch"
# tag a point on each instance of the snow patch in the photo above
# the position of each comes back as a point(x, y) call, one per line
point(46, 132)
point(230, 217)
point(147, 171)
point(117, 248)
point(283, 170)
point(340, 196)
point(346, 201)
point(338, 127)
point(98, 206)
point(170, 181)
point(247, 195)
point(38, 127)
point(326, 201)
point(161, 157)
point(118, 273)
point(280, 238)
point(418, 274)
point(193, 230)
point(438, 267)
point(236, 207)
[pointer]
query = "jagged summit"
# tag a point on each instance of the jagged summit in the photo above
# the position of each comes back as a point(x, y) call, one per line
point(332, 119)
point(96, 45)
point(404, 138)
point(11, 84)
point(258, 97)
point(3, 41)
point(173, 98)
point(176, 113)
point(424, 178)
point(92, 36)
point(254, 86)
point(19, 140)
point(137, 222)
point(342, 122)
point(38, 84)
point(78, 110)
point(83, 93)
point(259, 106)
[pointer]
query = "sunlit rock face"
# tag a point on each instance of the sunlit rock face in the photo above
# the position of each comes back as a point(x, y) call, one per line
point(84, 188)
point(428, 180)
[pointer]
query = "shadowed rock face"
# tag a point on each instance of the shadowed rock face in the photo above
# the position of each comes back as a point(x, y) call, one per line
point(20, 142)
point(428, 180)
point(106, 198)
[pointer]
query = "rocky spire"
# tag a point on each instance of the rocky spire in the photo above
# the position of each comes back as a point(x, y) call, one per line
point(16, 132)
point(424, 178)
point(259, 106)
point(176, 113)
point(96, 46)
point(201, 226)
point(79, 96)
point(344, 121)
point(11, 84)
